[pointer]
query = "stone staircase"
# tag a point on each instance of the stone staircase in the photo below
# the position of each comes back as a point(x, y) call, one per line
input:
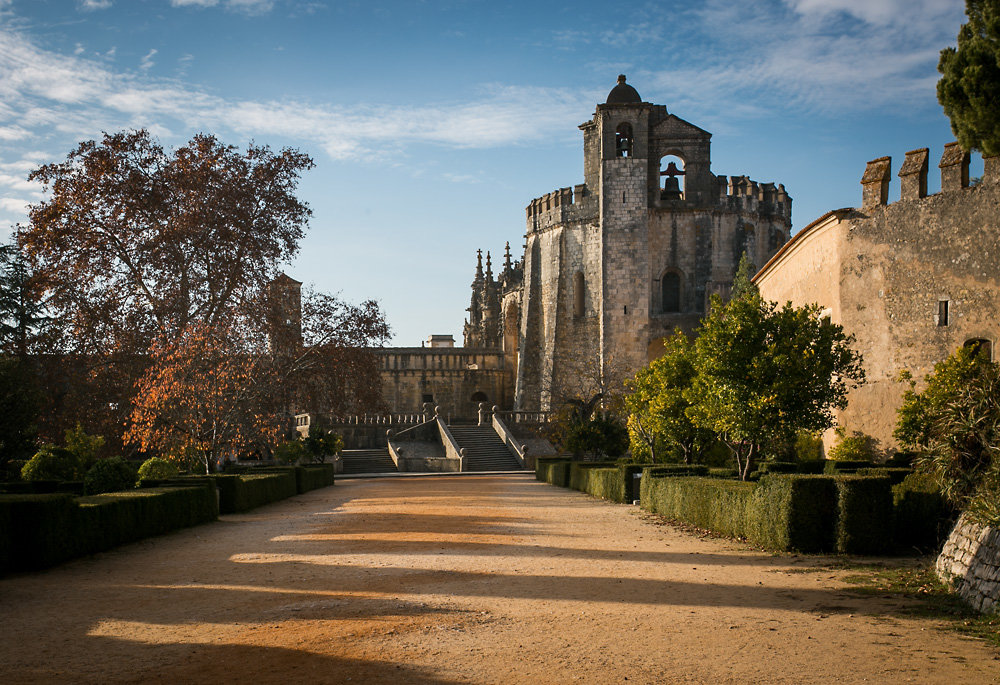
point(484, 450)
point(367, 461)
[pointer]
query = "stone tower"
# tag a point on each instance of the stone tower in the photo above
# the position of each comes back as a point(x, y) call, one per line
point(612, 265)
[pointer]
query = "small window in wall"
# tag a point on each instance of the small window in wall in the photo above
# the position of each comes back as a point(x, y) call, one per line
point(670, 289)
point(427, 397)
point(623, 140)
point(981, 346)
point(479, 396)
point(579, 294)
point(942, 313)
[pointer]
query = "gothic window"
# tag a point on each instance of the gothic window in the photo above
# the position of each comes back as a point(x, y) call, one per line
point(578, 294)
point(623, 140)
point(981, 346)
point(670, 292)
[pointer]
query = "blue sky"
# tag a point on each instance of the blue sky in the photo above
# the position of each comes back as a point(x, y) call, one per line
point(433, 124)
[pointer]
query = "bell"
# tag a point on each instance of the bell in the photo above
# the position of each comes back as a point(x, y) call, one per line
point(671, 188)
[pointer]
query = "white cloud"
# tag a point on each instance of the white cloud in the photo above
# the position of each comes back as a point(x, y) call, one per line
point(146, 63)
point(244, 6)
point(194, 3)
point(14, 205)
point(90, 5)
point(879, 12)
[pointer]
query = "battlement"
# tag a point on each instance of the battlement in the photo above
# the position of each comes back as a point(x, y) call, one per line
point(743, 193)
point(954, 168)
point(556, 206)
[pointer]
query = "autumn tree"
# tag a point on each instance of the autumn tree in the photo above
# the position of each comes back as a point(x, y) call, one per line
point(203, 399)
point(135, 243)
point(969, 89)
point(763, 373)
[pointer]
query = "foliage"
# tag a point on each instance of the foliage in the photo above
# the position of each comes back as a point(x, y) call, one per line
point(854, 447)
point(291, 452)
point(954, 427)
point(658, 424)
point(969, 89)
point(595, 436)
point(113, 474)
point(85, 447)
point(808, 446)
point(763, 373)
point(25, 327)
point(320, 444)
point(922, 516)
point(244, 492)
point(156, 468)
point(19, 408)
point(52, 463)
point(202, 396)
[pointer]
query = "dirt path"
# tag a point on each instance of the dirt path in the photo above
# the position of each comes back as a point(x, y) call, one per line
point(460, 579)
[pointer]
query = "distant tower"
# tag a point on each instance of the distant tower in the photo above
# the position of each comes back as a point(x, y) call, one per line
point(285, 315)
point(614, 264)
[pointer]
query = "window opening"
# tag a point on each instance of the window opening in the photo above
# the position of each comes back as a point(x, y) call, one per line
point(942, 314)
point(578, 294)
point(980, 346)
point(670, 290)
point(427, 397)
point(673, 183)
point(623, 140)
point(479, 396)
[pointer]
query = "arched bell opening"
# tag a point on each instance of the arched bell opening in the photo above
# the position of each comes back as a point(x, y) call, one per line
point(672, 172)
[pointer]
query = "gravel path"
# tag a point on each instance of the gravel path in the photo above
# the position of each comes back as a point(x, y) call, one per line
point(481, 579)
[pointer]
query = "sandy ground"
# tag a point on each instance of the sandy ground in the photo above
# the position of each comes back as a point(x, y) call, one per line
point(483, 579)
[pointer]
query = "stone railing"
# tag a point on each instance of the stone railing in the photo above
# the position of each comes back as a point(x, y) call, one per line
point(519, 449)
point(451, 448)
point(970, 564)
point(523, 417)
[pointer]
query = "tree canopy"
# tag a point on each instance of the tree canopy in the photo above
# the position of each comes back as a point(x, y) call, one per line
point(969, 89)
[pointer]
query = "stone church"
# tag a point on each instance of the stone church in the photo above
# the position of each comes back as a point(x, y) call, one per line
point(612, 265)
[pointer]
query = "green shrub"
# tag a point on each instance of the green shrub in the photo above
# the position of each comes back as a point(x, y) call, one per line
point(793, 512)
point(662, 470)
point(158, 469)
point(778, 467)
point(244, 492)
point(832, 467)
point(607, 483)
point(895, 474)
point(864, 514)
point(578, 472)
point(83, 446)
point(922, 515)
point(51, 463)
point(314, 476)
point(291, 452)
point(53, 528)
point(855, 447)
point(808, 447)
point(113, 474)
point(711, 503)
point(723, 473)
point(556, 472)
point(811, 467)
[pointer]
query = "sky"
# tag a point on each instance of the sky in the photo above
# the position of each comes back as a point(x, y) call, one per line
point(433, 124)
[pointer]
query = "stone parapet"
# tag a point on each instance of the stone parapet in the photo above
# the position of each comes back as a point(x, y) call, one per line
point(875, 183)
point(913, 174)
point(970, 564)
point(954, 168)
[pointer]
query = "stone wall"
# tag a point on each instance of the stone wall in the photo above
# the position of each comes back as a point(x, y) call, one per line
point(970, 564)
point(889, 272)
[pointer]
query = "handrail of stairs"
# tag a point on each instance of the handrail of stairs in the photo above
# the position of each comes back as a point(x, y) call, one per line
point(451, 448)
point(519, 449)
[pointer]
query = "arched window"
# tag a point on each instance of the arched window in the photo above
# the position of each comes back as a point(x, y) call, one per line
point(623, 140)
point(479, 396)
point(980, 345)
point(672, 172)
point(670, 291)
point(579, 294)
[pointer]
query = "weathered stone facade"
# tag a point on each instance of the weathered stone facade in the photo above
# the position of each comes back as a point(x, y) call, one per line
point(612, 265)
point(970, 564)
point(912, 280)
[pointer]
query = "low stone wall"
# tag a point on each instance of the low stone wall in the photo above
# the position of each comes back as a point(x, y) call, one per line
point(970, 564)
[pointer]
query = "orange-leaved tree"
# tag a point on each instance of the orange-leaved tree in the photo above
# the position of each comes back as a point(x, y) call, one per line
point(204, 398)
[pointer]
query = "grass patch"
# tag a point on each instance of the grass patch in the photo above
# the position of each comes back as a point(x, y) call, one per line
point(930, 597)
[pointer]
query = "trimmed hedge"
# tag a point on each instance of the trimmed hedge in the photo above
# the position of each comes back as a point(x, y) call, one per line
point(43, 530)
point(553, 470)
point(578, 475)
point(314, 476)
point(244, 492)
point(711, 503)
point(833, 467)
point(864, 514)
point(895, 474)
point(778, 467)
point(793, 512)
point(923, 516)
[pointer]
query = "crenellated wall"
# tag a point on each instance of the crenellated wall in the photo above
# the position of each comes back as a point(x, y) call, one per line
point(912, 280)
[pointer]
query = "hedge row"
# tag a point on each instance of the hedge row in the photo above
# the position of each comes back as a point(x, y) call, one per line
point(37, 531)
point(845, 513)
point(248, 491)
